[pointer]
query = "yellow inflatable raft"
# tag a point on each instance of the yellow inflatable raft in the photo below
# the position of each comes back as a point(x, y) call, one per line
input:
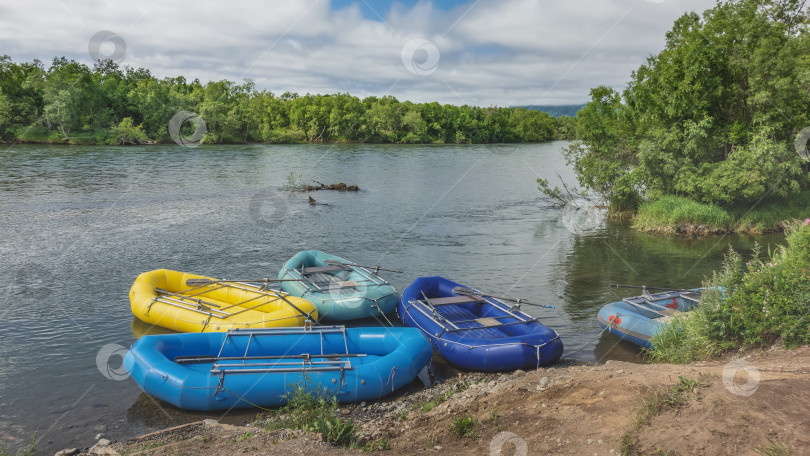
point(166, 298)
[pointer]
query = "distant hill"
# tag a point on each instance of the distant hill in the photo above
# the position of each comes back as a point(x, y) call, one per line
point(556, 110)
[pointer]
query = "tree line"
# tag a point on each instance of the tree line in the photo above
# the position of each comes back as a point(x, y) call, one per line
point(715, 117)
point(71, 102)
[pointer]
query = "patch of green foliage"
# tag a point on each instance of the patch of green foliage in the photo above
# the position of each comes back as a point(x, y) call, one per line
point(712, 117)
point(430, 404)
point(313, 410)
point(431, 441)
point(463, 426)
point(774, 449)
point(127, 133)
point(376, 445)
point(752, 303)
point(658, 401)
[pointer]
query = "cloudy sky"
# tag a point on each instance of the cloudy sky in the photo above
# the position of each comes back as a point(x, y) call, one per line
point(485, 52)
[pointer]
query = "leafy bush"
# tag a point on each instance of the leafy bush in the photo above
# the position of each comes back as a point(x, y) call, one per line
point(772, 299)
point(754, 304)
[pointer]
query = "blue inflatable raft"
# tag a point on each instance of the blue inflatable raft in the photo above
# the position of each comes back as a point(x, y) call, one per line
point(339, 289)
point(472, 331)
point(637, 319)
point(246, 368)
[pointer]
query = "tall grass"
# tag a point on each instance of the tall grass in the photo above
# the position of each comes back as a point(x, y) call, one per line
point(675, 214)
point(670, 214)
point(752, 303)
point(27, 450)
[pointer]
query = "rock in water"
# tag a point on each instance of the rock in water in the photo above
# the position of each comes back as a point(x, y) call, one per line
point(67, 452)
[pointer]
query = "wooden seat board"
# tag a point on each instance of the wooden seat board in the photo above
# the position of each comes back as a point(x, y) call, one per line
point(315, 269)
point(454, 300)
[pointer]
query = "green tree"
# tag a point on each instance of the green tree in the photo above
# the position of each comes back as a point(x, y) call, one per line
point(712, 117)
point(21, 85)
point(5, 110)
point(127, 133)
point(413, 125)
point(604, 158)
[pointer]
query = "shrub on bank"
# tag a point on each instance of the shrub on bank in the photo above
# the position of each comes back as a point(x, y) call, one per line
point(764, 300)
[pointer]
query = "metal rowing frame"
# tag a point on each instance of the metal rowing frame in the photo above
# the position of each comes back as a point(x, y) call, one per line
point(213, 310)
point(520, 315)
point(307, 361)
point(649, 300)
point(445, 324)
point(301, 274)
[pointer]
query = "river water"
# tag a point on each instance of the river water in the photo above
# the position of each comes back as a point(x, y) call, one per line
point(80, 223)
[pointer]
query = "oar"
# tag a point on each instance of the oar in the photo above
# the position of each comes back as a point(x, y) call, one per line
point(376, 268)
point(467, 291)
point(203, 282)
point(645, 287)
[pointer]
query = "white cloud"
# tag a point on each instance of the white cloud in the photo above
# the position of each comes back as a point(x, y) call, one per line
point(491, 52)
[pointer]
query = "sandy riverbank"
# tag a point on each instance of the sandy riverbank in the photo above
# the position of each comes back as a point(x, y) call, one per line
point(735, 406)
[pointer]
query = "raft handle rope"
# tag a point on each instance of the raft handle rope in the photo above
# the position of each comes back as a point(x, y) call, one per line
point(391, 377)
point(568, 355)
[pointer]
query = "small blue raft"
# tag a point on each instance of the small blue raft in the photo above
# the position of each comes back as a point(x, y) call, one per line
point(476, 332)
point(637, 319)
point(247, 368)
point(339, 289)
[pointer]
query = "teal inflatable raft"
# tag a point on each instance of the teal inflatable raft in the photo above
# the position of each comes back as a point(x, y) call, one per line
point(340, 289)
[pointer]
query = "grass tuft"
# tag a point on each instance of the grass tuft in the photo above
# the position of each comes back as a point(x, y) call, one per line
point(27, 450)
point(774, 449)
point(657, 402)
point(463, 426)
point(313, 410)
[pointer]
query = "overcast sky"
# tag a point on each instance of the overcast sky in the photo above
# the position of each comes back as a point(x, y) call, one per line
point(486, 53)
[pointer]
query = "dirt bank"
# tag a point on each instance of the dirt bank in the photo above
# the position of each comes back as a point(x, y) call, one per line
point(759, 401)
